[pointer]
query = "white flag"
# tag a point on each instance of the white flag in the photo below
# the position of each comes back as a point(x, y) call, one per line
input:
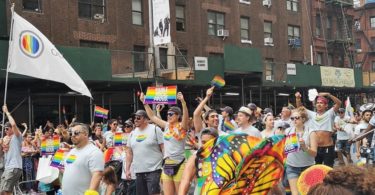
point(348, 108)
point(32, 54)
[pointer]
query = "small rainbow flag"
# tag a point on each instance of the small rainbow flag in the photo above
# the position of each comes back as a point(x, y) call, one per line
point(50, 145)
point(101, 112)
point(218, 82)
point(58, 158)
point(291, 143)
point(228, 126)
point(71, 159)
point(118, 139)
point(108, 154)
point(161, 95)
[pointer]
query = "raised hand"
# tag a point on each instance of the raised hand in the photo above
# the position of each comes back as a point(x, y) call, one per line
point(210, 91)
point(180, 97)
point(142, 97)
point(298, 94)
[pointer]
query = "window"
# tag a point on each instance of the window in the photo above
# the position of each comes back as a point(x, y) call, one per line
point(329, 27)
point(245, 28)
point(372, 21)
point(357, 44)
point(93, 44)
point(181, 58)
point(32, 5)
point(215, 22)
point(330, 60)
point(319, 58)
point(137, 12)
point(180, 18)
point(267, 29)
point(373, 66)
point(91, 9)
point(163, 58)
point(293, 32)
point(269, 69)
point(139, 61)
point(292, 5)
point(318, 25)
point(372, 39)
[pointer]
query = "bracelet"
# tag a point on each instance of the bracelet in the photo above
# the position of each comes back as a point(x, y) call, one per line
point(91, 192)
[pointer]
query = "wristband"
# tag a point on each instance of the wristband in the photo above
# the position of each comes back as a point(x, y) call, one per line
point(91, 192)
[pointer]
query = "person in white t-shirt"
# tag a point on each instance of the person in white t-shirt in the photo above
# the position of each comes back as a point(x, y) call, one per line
point(244, 117)
point(360, 128)
point(342, 144)
point(321, 122)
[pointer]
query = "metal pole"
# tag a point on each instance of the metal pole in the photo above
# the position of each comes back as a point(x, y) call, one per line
point(251, 96)
point(135, 106)
point(91, 114)
point(260, 96)
point(110, 106)
point(274, 99)
point(29, 104)
point(60, 108)
point(242, 93)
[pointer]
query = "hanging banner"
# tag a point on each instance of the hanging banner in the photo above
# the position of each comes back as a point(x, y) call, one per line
point(337, 77)
point(161, 22)
point(50, 145)
point(161, 95)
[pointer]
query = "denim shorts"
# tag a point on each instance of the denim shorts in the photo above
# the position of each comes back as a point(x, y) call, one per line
point(148, 183)
point(294, 172)
point(343, 145)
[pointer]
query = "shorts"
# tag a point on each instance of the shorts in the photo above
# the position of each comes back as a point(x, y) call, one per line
point(9, 179)
point(343, 145)
point(148, 182)
point(175, 178)
point(294, 172)
point(325, 155)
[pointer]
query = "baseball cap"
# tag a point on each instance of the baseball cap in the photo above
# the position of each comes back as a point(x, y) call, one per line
point(252, 106)
point(209, 131)
point(341, 110)
point(141, 113)
point(128, 122)
point(227, 109)
point(283, 125)
point(245, 110)
point(175, 109)
point(267, 110)
point(7, 125)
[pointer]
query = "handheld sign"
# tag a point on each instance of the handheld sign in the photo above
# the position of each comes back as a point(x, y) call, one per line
point(161, 95)
point(218, 82)
point(50, 145)
point(291, 143)
point(101, 112)
point(120, 139)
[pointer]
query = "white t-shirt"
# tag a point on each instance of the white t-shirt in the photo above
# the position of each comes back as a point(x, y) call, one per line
point(322, 122)
point(341, 122)
point(79, 166)
point(252, 131)
point(360, 128)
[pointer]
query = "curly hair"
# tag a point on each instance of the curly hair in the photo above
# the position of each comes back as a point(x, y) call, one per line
point(347, 180)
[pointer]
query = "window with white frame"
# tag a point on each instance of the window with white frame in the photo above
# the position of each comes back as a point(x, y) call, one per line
point(32, 5)
point(330, 60)
point(267, 28)
point(319, 58)
point(244, 28)
point(318, 26)
point(180, 18)
point(215, 22)
point(292, 5)
point(293, 32)
point(269, 68)
point(372, 21)
point(137, 12)
point(91, 9)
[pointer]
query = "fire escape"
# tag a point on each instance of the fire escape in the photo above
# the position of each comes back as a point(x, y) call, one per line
point(342, 40)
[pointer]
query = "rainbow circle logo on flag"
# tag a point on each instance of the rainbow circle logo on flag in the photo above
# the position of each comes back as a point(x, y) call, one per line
point(30, 44)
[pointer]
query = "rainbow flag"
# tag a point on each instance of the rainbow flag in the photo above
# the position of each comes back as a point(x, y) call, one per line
point(108, 154)
point(101, 112)
point(291, 143)
point(50, 145)
point(218, 82)
point(58, 158)
point(118, 139)
point(161, 95)
point(228, 126)
point(71, 159)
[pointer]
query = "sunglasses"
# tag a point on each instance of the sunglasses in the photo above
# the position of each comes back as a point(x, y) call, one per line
point(128, 126)
point(115, 124)
point(295, 118)
point(76, 133)
point(170, 113)
point(137, 118)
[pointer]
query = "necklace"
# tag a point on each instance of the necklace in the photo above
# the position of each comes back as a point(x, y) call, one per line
point(181, 132)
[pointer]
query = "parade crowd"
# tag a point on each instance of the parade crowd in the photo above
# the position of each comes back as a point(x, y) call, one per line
point(160, 156)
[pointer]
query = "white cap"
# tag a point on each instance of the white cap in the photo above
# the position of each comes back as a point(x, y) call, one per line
point(245, 110)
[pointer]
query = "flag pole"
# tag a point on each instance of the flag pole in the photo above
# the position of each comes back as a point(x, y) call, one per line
point(8, 64)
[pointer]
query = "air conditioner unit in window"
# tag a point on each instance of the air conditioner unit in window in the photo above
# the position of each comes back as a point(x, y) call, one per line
point(98, 16)
point(222, 33)
point(269, 78)
point(267, 3)
point(268, 41)
point(291, 42)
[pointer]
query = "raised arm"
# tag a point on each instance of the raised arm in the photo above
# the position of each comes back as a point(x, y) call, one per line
point(298, 99)
point(187, 176)
point(151, 115)
point(24, 131)
point(198, 111)
point(12, 122)
point(185, 112)
point(334, 99)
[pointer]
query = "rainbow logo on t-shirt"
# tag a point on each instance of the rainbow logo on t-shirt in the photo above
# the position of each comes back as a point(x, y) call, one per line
point(71, 159)
point(140, 138)
point(167, 136)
